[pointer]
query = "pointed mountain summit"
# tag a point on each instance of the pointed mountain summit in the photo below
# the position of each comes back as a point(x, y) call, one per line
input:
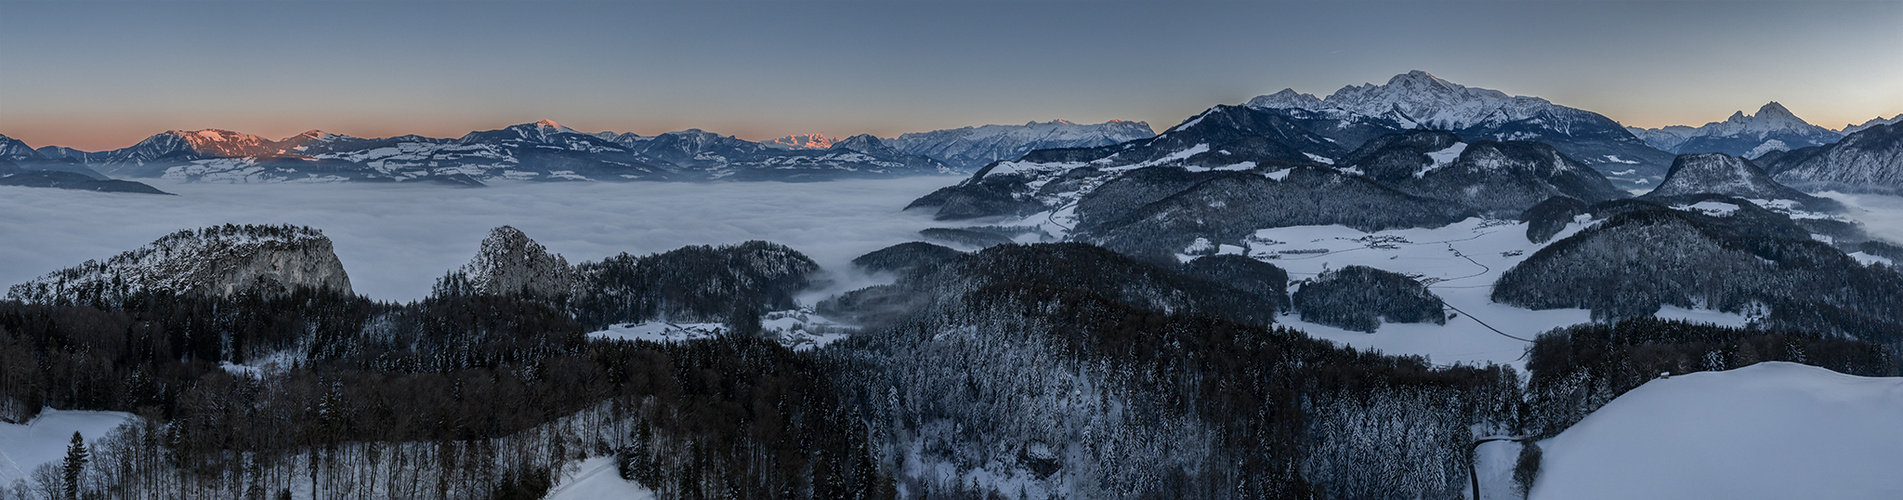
point(1772, 128)
point(1727, 175)
point(13, 150)
point(1420, 100)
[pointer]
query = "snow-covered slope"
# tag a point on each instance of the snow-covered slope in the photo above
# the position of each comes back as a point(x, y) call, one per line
point(13, 150)
point(1767, 431)
point(1773, 128)
point(596, 479)
point(1418, 100)
point(973, 147)
point(1719, 173)
point(44, 439)
point(1851, 129)
point(1869, 160)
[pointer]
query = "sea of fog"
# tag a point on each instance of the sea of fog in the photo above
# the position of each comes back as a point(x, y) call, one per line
point(395, 240)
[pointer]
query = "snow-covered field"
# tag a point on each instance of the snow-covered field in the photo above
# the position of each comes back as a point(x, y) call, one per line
point(1459, 262)
point(596, 479)
point(43, 440)
point(1766, 431)
point(395, 240)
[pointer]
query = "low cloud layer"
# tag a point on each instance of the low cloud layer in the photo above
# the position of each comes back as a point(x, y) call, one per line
point(1882, 216)
point(396, 240)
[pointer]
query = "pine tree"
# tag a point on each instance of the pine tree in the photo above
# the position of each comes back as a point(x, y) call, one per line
point(75, 465)
point(1527, 470)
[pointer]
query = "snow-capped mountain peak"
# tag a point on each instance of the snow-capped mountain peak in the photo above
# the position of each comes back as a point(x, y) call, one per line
point(215, 140)
point(1286, 99)
point(1417, 99)
point(1771, 117)
point(803, 141)
point(972, 147)
point(14, 150)
point(1772, 128)
point(1852, 129)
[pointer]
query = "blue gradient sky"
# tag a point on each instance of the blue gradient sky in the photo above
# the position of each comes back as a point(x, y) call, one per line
point(100, 75)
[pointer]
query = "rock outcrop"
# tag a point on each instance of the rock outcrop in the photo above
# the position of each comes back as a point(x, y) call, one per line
point(220, 261)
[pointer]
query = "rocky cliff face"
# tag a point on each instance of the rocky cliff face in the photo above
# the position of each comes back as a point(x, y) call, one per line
point(511, 263)
point(220, 260)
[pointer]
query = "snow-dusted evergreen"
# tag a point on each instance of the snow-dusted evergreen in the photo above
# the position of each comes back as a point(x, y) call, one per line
point(691, 284)
point(1773, 128)
point(1360, 298)
point(1719, 253)
point(1418, 100)
point(218, 261)
point(973, 147)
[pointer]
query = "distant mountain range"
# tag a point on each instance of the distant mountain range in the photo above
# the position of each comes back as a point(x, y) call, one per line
point(1773, 128)
point(1418, 100)
point(548, 151)
point(972, 147)
point(1303, 128)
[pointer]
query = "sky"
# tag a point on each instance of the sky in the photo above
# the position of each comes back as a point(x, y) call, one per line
point(100, 75)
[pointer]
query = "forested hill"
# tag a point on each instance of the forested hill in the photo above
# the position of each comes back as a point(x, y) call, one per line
point(1018, 371)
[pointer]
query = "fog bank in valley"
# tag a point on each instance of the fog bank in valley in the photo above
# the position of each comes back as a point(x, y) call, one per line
point(394, 240)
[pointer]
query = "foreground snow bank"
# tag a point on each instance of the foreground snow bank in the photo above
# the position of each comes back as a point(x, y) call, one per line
point(595, 479)
point(44, 439)
point(1766, 431)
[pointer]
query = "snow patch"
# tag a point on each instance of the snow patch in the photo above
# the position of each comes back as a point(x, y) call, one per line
point(1442, 158)
point(44, 439)
point(1711, 208)
point(1767, 431)
point(596, 478)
